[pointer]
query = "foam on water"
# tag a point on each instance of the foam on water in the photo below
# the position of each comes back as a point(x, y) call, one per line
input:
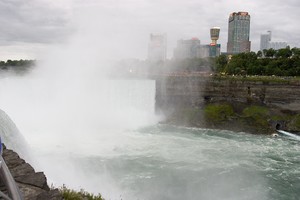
point(291, 135)
point(166, 162)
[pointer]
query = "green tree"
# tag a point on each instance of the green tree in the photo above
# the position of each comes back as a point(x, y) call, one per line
point(270, 53)
point(259, 54)
point(284, 53)
point(221, 62)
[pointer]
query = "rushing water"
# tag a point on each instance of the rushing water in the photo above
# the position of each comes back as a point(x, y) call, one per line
point(167, 162)
point(103, 137)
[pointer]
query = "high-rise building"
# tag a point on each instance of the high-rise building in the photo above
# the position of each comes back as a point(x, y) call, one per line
point(157, 48)
point(265, 42)
point(265, 39)
point(238, 33)
point(187, 49)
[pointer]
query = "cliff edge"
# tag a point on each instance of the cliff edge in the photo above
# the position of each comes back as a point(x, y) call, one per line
point(33, 185)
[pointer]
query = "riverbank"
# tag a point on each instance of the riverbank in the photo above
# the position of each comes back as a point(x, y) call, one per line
point(258, 105)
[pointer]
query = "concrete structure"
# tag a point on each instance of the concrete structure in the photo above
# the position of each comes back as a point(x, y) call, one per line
point(157, 48)
point(266, 43)
point(214, 47)
point(238, 33)
point(214, 34)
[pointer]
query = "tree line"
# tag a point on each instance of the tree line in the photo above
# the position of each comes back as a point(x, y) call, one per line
point(16, 63)
point(282, 62)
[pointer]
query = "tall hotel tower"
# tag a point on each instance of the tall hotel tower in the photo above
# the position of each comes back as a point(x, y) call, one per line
point(238, 33)
point(157, 48)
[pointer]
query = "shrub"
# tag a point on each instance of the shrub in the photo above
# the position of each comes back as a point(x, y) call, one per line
point(218, 112)
point(70, 194)
point(258, 114)
point(255, 111)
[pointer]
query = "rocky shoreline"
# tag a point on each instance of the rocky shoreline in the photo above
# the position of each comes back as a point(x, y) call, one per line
point(33, 185)
point(238, 104)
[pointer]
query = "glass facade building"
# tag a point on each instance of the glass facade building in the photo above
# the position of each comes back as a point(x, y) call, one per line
point(238, 33)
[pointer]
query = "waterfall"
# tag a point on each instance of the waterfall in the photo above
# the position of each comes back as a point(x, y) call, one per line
point(11, 136)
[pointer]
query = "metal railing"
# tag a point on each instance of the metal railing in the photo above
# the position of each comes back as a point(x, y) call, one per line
point(13, 192)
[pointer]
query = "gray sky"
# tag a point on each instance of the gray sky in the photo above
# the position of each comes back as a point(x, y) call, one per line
point(122, 27)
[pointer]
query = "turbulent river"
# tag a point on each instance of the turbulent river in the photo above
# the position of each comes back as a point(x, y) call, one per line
point(167, 162)
point(110, 142)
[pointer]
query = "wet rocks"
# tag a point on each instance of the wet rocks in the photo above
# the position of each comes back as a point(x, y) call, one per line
point(33, 185)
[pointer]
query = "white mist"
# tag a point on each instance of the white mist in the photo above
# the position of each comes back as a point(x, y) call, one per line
point(68, 107)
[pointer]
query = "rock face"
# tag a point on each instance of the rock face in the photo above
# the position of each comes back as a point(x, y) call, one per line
point(174, 92)
point(33, 185)
point(177, 95)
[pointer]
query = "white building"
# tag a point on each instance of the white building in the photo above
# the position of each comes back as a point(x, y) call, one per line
point(266, 43)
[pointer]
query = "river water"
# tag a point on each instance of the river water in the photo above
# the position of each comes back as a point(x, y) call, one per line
point(105, 138)
point(168, 162)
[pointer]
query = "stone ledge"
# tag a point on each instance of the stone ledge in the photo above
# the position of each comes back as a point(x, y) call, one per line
point(33, 185)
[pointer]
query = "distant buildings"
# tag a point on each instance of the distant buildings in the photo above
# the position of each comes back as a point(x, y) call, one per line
point(265, 42)
point(192, 48)
point(277, 45)
point(157, 48)
point(187, 49)
point(238, 33)
point(214, 47)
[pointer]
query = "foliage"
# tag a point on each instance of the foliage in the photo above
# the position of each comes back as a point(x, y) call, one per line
point(282, 62)
point(295, 123)
point(221, 63)
point(255, 111)
point(17, 66)
point(218, 112)
point(258, 114)
point(16, 63)
point(69, 194)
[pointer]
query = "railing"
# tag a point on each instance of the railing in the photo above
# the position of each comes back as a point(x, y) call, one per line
point(9, 182)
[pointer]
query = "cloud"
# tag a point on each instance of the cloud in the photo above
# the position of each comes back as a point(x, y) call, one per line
point(48, 22)
point(31, 21)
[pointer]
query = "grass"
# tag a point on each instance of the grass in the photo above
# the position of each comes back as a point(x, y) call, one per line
point(218, 112)
point(258, 115)
point(70, 194)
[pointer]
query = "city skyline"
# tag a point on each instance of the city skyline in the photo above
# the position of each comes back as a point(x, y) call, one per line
point(30, 29)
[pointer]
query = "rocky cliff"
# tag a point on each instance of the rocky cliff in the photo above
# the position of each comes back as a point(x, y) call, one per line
point(281, 96)
point(33, 185)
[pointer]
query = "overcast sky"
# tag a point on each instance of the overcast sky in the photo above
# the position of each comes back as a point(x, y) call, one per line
point(122, 27)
